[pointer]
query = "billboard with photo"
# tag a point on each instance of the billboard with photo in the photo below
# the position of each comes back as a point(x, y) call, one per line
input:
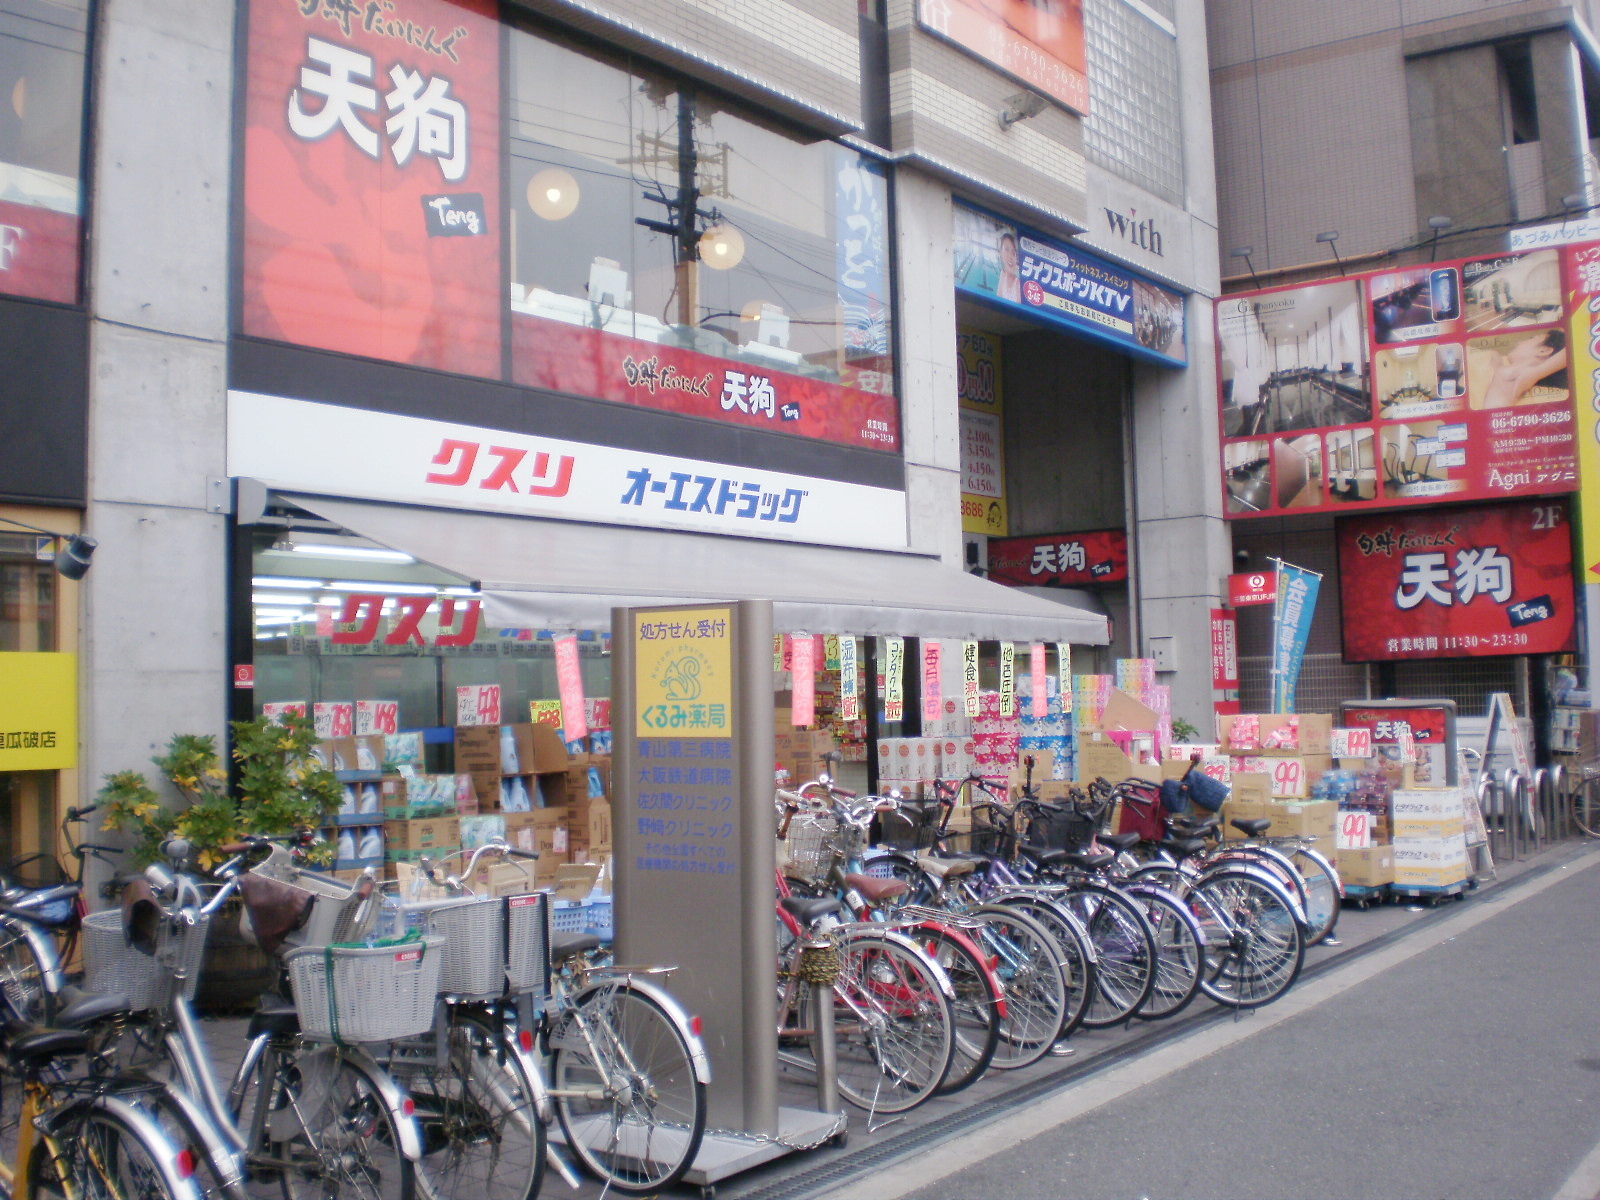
point(1415, 385)
point(1454, 582)
point(1038, 42)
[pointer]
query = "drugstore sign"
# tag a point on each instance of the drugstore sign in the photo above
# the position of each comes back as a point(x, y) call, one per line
point(38, 711)
point(1449, 583)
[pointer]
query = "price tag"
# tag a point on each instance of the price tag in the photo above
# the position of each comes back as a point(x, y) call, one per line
point(1352, 743)
point(334, 720)
point(1288, 778)
point(1354, 831)
point(478, 704)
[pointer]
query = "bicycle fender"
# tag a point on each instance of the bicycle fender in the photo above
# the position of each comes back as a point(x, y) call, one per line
point(42, 943)
point(394, 1099)
point(162, 1149)
point(1262, 876)
point(534, 1072)
point(225, 1156)
point(1323, 861)
point(674, 1010)
point(939, 974)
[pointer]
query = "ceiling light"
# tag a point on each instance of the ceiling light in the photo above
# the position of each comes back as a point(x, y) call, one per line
point(279, 598)
point(384, 587)
point(369, 553)
point(283, 581)
point(553, 193)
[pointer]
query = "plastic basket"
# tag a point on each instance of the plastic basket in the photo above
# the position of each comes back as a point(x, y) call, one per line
point(913, 826)
point(527, 938)
point(148, 980)
point(339, 910)
point(583, 916)
point(366, 993)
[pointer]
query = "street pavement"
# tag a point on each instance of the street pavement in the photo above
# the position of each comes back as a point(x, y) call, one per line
point(1445, 1051)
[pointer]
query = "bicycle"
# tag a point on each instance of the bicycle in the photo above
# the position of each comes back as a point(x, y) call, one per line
point(627, 1074)
point(1586, 801)
point(836, 828)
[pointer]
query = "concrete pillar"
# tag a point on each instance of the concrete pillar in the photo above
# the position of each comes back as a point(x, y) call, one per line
point(1563, 127)
point(158, 295)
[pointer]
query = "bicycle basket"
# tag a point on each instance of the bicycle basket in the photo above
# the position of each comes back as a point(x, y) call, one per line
point(809, 845)
point(912, 826)
point(992, 834)
point(340, 911)
point(527, 939)
point(1060, 827)
point(148, 980)
point(474, 953)
point(360, 993)
point(1139, 810)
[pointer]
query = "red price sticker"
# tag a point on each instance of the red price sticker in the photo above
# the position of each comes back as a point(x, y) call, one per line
point(1289, 777)
point(1352, 743)
point(1355, 831)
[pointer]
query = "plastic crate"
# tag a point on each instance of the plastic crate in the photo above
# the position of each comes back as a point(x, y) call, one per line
point(583, 916)
point(112, 965)
point(366, 993)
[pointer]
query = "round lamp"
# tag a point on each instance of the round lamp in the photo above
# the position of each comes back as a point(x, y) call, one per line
point(553, 193)
point(721, 247)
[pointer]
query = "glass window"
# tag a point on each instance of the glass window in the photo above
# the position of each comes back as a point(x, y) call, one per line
point(27, 595)
point(644, 209)
point(42, 56)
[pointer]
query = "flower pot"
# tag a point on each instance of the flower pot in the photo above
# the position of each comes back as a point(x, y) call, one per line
point(235, 971)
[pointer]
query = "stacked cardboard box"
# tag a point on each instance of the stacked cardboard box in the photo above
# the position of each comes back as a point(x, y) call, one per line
point(800, 751)
point(1430, 845)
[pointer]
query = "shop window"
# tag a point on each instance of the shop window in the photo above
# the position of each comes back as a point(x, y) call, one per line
point(42, 57)
point(27, 596)
point(338, 620)
point(645, 210)
point(27, 812)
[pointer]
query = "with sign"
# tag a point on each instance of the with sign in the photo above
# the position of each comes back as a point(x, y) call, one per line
point(1252, 587)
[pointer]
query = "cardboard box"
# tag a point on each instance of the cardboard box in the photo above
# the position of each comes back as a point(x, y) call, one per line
point(1123, 712)
point(1291, 775)
point(1250, 787)
point(1105, 760)
point(544, 829)
point(1302, 818)
point(1430, 862)
point(1281, 734)
point(430, 835)
point(1428, 813)
point(1371, 867)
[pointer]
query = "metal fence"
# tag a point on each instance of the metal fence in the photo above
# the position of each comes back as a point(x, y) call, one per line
point(1525, 814)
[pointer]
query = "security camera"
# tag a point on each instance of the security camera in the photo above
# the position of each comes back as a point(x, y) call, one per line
point(1241, 558)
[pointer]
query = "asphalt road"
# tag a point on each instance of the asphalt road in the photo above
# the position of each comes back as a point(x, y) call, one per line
point(1462, 1062)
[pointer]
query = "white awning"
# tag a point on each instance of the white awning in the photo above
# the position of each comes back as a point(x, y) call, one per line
point(541, 574)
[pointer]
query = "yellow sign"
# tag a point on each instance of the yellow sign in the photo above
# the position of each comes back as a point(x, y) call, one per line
point(38, 712)
point(1585, 346)
point(683, 684)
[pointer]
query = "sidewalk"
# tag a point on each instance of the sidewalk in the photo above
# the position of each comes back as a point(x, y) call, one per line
point(818, 1171)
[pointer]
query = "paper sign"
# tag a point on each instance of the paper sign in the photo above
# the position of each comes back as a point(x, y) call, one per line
point(478, 704)
point(1354, 831)
point(334, 720)
point(931, 699)
point(545, 712)
point(569, 678)
point(1008, 679)
point(1406, 741)
point(277, 712)
point(1064, 671)
point(830, 651)
point(802, 665)
point(849, 679)
point(1352, 743)
point(1036, 677)
point(377, 716)
point(1288, 778)
point(969, 678)
point(894, 679)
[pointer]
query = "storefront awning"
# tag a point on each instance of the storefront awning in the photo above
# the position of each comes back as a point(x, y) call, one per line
point(542, 574)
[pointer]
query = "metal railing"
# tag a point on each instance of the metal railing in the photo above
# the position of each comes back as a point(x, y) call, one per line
point(1524, 814)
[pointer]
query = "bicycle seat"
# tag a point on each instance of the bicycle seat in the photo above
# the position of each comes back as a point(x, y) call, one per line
point(1091, 860)
point(1183, 847)
point(275, 1019)
point(88, 1008)
point(569, 945)
point(877, 889)
point(1253, 827)
point(1044, 857)
point(807, 909)
point(946, 868)
point(33, 1050)
point(1122, 841)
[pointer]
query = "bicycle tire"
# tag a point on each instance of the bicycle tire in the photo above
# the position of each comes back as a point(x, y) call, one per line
point(1074, 946)
point(101, 1155)
point(482, 1138)
point(1255, 944)
point(1124, 948)
point(1180, 952)
point(978, 1002)
point(317, 1126)
point(894, 1024)
point(1586, 807)
point(1030, 966)
point(21, 978)
point(631, 1107)
point(1324, 893)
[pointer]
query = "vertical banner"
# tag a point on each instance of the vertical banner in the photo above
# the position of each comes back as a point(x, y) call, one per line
point(1064, 674)
point(1008, 679)
point(1583, 270)
point(802, 666)
point(894, 679)
point(1224, 648)
point(1036, 677)
point(1291, 630)
point(569, 679)
point(373, 209)
point(932, 699)
point(830, 651)
point(778, 661)
point(969, 677)
point(849, 679)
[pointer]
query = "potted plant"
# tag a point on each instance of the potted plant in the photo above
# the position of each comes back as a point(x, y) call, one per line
point(280, 786)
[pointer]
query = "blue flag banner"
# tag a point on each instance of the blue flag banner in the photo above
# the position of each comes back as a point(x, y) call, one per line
point(1291, 630)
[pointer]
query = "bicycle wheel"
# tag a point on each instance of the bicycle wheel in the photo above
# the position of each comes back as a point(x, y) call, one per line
point(1030, 967)
point(1586, 807)
point(1076, 951)
point(1255, 946)
point(1124, 948)
point(894, 1025)
point(978, 1001)
point(318, 1126)
point(625, 1090)
point(21, 978)
point(100, 1155)
point(1180, 954)
point(1323, 893)
point(481, 1136)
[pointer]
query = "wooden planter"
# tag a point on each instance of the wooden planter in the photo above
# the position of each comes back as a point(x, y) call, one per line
point(235, 971)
